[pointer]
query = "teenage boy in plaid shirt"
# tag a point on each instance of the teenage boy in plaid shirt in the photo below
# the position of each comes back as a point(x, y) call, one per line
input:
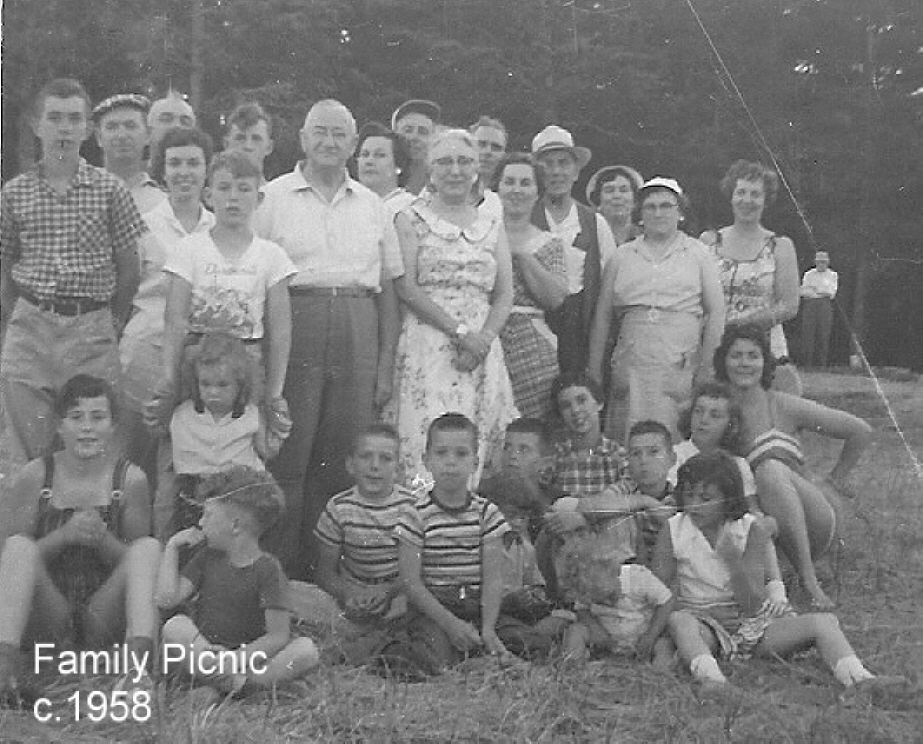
point(68, 269)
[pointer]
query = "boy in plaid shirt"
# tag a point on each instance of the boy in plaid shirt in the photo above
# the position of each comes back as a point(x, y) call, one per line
point(68, 269)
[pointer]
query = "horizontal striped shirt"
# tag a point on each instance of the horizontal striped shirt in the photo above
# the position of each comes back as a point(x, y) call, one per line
point(450, 540)
point(363, 531)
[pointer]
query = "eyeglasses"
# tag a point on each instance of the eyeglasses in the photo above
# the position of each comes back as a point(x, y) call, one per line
point(659, 207)
point(462, 161)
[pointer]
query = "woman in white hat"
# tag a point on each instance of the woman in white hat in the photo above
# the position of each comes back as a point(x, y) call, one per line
point(759, 269)
point(664, 289)
point(613, 190)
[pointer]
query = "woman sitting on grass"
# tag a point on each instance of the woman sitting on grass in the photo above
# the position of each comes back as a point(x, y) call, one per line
point(79, 564)
point(730, 599)
point(802, 506)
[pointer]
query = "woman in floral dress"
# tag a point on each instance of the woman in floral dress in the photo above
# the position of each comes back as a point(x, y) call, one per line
point(458, 292)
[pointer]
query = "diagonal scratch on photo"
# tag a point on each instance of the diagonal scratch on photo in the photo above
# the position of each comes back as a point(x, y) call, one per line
point(487, 371)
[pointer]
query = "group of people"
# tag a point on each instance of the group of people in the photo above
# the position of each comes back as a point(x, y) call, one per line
point(395, 383)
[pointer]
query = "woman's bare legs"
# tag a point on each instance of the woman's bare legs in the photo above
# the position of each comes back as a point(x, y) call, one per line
point(805, 519)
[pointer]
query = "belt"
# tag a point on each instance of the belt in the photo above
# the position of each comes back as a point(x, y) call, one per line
point(69, 307)
point(300, 289)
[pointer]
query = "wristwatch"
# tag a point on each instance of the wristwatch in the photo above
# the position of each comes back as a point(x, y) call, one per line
point(461, 330)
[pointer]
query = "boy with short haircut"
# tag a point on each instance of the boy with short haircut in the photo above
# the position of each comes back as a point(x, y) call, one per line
point(240, 612)
point(229, 280)
point(526, 477)
point(357, 550)
point(451, 551)
point(249, 131)
point(68, 269)
point(646, 490)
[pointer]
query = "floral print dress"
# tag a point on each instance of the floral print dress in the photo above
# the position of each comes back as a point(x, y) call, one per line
point(457, 268)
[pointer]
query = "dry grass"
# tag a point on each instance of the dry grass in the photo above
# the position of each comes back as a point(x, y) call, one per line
point(879, 580)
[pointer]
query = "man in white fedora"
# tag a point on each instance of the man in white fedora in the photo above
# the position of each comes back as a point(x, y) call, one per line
point(586, 236)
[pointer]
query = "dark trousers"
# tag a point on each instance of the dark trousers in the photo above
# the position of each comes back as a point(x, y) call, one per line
point(816, 323)
point(330, 387)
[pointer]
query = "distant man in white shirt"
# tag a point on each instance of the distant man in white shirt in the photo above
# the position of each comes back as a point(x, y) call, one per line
point(818, 288)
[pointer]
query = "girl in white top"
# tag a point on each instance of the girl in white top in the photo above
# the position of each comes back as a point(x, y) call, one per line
point(218, 427)
point(730, 598)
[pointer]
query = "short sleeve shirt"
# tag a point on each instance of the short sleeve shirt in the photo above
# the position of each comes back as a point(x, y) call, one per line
point(349, 241)
point(231, 602)
point(164, 232)
point(641, 593)
point(203, 445)
point(579, 473)
point(64, 246)
point(364, 532)
point(674, 283)
point(228, 295)
point(450, 540)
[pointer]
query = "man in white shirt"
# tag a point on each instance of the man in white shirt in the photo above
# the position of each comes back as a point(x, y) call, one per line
point(818, 288)
point(586, 235)
point(345, 321)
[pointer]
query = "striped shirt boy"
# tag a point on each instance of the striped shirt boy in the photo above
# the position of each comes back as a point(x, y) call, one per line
point(449, 539)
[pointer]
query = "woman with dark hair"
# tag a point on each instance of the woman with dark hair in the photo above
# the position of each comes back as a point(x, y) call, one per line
point(539, 284)
point(613, 191)
point(759, 269)
point(181, 159)
point(664, 290)
point(383, 164)
point(802, 506)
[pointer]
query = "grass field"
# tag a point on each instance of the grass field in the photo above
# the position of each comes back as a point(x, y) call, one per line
point(878, 581)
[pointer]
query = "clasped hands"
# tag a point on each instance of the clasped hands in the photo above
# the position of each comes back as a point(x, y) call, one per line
point(471, 350)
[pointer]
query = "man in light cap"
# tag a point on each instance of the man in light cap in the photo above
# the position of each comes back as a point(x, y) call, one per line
point(123, 134)
point(417, 120)
point(345, 321)
point(168, 112)
point(586, 236)
point(818, 288)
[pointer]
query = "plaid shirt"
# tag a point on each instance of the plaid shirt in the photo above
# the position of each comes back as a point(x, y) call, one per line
point(63, 246)
point(580, 473)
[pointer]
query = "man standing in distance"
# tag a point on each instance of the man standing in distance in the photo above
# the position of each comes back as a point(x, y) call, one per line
point(68, 269)
point(345, 319)
point(587, 239)
point(123, 135)
point(416, 120)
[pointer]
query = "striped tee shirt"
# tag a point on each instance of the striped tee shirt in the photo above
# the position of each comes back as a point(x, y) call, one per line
point(450, 539)
point(363, 530)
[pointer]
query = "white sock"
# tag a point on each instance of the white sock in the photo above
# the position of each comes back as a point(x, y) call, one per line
point(705, 669)
point(849, 670)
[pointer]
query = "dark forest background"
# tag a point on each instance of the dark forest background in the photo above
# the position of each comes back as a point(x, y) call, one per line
point(832, 90)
